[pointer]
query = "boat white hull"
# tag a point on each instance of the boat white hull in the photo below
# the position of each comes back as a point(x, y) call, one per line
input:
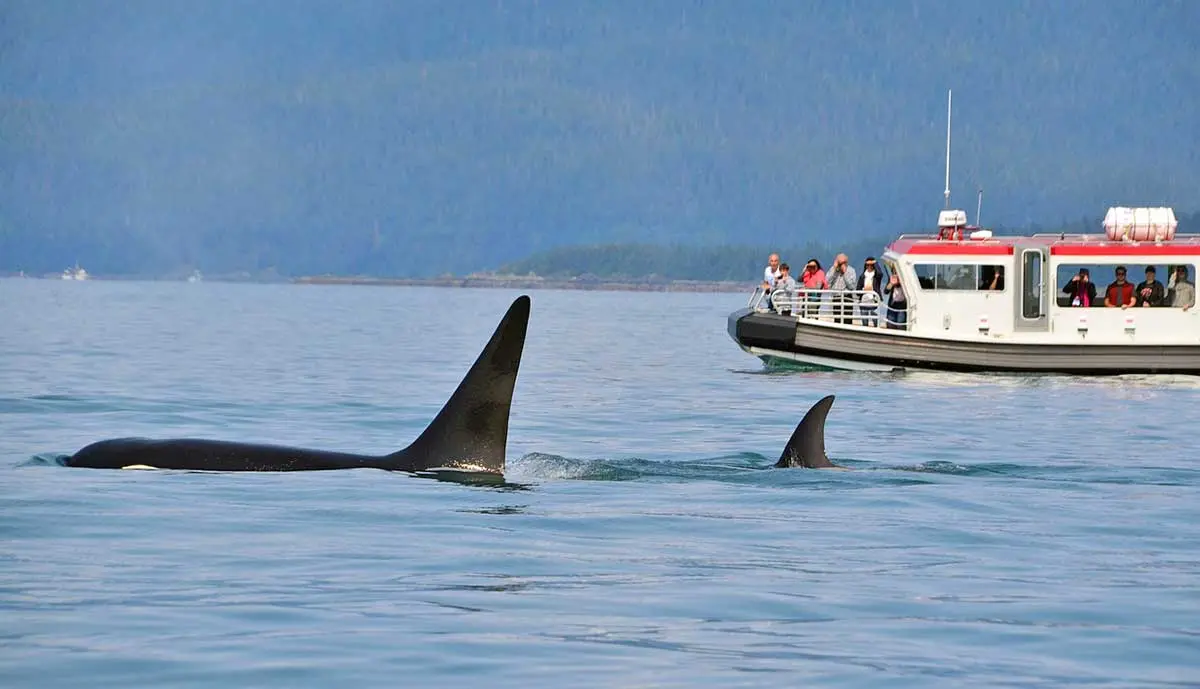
point(774, 356)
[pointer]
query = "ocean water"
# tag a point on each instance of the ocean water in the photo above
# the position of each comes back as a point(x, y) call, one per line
point(995, 531)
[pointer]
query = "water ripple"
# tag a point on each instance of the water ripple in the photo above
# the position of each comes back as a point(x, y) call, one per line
point(991, 531)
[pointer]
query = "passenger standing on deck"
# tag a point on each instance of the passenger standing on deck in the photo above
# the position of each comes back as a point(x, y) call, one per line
point(842, 279)
point(771, 272)
point(813, 278)
point(1119, 292)
point(870, 284)
point(784, 294)
point(770, 275)
point(897, 305)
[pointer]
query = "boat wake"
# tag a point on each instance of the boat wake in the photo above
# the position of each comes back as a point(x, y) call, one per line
point(745, 468)
point(752, 468)
point(46, 459)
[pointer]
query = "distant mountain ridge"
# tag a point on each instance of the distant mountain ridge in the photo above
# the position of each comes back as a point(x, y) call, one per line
point(732, 262)
point(419, 138)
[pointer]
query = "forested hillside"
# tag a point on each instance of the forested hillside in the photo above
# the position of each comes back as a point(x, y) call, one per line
point(418, 138)
point(734, 262)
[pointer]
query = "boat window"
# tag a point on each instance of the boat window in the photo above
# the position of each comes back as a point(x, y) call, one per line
point(959, 276)
point(1102, 275)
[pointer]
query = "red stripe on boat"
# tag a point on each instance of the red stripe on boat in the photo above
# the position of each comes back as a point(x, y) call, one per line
point(1188, 249)
point(952, 249)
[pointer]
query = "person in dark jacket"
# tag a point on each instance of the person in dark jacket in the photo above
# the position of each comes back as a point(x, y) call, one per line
point(897, 304)
point(870, 288)
point(1081, 289)
point(1151, 292)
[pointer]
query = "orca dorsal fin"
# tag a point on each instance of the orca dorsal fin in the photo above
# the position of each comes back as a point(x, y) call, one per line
point(806, 447)
point(470, 433)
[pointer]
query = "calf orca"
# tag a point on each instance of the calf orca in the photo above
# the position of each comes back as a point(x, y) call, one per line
point(806, 447)
point(469, 434)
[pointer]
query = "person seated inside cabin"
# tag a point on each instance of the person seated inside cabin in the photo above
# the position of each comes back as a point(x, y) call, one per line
point(961, 277)
point(1181, 292)
point(1081, 289)
point(1120, 292)
point(785, 290)
point(994, 281)
point(1150, 292)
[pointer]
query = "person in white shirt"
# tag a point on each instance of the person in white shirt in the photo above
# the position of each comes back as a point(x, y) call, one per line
point(770, 275)
point(771, 272)
point(870, 286)
point(1181, 292)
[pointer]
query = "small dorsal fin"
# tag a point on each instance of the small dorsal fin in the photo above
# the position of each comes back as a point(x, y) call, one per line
point(806, 448)
point(471, 431)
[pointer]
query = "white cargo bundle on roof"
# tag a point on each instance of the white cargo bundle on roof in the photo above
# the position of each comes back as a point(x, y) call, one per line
point(1140, 224)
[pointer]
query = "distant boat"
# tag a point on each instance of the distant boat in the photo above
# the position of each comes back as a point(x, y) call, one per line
point(195, 276)
point(75, 273)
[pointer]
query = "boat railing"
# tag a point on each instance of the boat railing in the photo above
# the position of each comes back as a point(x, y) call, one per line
point(756, 299)
point(851, 307)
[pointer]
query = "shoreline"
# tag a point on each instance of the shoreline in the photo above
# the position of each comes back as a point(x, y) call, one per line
point(477, 282)
point(537, 283)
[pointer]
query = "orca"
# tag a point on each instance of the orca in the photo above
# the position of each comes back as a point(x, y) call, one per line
point(468, 435)
point(806, 448)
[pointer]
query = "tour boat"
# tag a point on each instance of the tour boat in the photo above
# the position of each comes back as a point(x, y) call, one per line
point(959, 317)
point(982, 303)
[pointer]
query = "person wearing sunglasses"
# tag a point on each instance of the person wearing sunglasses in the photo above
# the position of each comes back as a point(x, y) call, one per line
point(1120, 292)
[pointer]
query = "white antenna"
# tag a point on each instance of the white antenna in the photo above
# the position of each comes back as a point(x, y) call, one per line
point(949, 100)
point(979, 208)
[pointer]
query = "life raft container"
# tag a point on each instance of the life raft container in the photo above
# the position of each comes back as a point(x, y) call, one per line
point(1140, 224)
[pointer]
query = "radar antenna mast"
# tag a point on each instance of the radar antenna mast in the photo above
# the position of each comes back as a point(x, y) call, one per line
point(949, 100)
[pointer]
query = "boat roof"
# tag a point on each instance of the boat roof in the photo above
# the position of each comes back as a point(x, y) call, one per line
point(1059, 244)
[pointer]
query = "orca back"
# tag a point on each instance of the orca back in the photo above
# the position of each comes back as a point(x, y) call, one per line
point(469, 434)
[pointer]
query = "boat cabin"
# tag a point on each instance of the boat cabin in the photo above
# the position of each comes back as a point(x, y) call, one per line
point(964, 282)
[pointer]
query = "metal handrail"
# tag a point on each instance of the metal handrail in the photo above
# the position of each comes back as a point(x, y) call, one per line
point(811, 304)
point(756, 298)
